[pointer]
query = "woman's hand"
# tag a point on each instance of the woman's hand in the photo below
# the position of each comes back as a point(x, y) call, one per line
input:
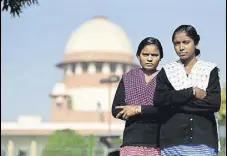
point(128, 111)
point(200, 93)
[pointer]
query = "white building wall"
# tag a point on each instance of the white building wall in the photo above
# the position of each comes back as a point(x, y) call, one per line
point(87, 98)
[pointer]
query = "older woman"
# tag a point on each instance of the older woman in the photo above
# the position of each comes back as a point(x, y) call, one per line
point(133, 102)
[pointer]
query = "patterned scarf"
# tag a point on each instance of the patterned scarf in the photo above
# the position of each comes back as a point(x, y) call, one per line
point(137, 91)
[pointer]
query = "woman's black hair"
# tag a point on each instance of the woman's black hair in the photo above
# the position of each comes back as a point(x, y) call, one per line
point(149, 41)
point(190, 32)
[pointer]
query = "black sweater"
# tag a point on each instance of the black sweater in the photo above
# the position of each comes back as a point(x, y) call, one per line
point(185, 120)
point(140, 130)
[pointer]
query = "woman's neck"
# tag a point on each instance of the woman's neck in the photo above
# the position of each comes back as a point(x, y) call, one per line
point(189, 62)
point(148, 75)
point(149, 72)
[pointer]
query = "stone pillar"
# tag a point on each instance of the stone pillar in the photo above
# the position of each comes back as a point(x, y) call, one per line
point(91, 68)
point(106, 68)
point(69, 70)
point(33, 148)
point(78, 68)
point(119, 69)
point(10, 148)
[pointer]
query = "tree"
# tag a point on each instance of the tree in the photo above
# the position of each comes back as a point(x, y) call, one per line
point(222, 112)
point(68, 143)
point(16, 6)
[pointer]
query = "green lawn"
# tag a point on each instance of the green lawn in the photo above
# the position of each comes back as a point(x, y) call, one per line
point(222, 154)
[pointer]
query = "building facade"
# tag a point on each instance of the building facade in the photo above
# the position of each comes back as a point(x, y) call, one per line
point(97, 50)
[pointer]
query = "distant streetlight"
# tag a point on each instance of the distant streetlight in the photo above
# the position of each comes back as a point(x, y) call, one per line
point(109, 80)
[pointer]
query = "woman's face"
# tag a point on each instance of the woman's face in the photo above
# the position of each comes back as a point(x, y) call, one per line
point(184, 46)
point(149, 57)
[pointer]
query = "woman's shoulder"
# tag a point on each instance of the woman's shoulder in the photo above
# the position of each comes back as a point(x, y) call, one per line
point(172, 64)
point(206, 67)
point(207, 64)
point(133, 71)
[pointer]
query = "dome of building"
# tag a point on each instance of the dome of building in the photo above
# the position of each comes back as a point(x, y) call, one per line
point(96, 50)
point(99, 35)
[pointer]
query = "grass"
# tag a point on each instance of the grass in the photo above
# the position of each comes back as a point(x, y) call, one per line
point(222, 154)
